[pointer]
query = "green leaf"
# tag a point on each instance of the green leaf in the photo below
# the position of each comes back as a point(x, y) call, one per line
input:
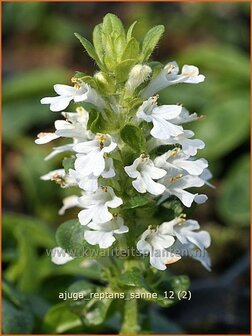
point(95, 311)
point(112, 24)
point(23, 269)
point(133, 137)
point(70, 236)
point(136, 202)
point(122, 69)
point(29, 234)
point(234, 194)
point(26, 85)
point(89, 48)
point(81, 291)
point(130, 30)
point(133, 277)
point(98, 124)
point(41, 235)
point(97, 41)
point(132, 50)
point(150, 41)
point(225, 127)
point(228, 63)
point(16, 321)
point(59, 319)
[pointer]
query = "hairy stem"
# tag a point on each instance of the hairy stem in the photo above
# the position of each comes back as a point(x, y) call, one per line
point(130, 324)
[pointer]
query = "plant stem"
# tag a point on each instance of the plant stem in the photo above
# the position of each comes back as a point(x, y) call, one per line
point(130, 324)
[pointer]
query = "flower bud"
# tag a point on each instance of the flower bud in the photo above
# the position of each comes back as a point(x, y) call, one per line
point(138, 74)
point(104, 82)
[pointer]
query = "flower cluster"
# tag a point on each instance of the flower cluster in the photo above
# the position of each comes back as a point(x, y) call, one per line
point(98, 154)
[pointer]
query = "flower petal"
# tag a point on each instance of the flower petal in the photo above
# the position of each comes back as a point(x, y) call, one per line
point(60, 256)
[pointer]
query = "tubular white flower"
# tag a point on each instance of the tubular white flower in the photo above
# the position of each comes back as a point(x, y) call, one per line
point(161, 117)
point(68, 203)
point(192, 251)
point(75, 126)
point(90, 182)
point(176, 161)
point(59, 256)
point(96, 206)
point(184, 230)
point(60, 177)
point(206, 176)
point(185, 117)
point(169, 75)
point(144, 171)
point(189, 146)
point(44, 138)
point(91, 158)
point(103, 234)
point(78, 93)
point(138, 74)
point(155, 243)
point(176, 186)
point(58, 150)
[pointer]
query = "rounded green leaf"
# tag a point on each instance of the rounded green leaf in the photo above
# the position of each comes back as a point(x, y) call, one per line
point(59, 319)
point(80, 295)
point(16, 321)
point(225, 127)
point(70, 236)
point(233, 199)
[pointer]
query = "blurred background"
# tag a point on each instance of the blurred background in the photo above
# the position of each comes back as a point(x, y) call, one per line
point(39, 50)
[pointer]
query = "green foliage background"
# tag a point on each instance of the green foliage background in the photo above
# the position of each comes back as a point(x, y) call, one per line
point(39, 50)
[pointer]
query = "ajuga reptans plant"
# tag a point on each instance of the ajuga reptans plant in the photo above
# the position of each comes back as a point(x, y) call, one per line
point(130, 161)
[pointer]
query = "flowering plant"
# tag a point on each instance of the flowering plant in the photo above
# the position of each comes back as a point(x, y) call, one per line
point(131, 162)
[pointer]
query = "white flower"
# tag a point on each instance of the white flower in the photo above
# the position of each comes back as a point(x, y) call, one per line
point(68, 203)
point(90, 182)
point(103, 234)
point(161, 117)
point(44, 137)
point(156, 243)
point(184, 230)
point(97, 206)
point(169, 75)
point(75, 126)
point(144, 171)
point(192, 251)
point(176, 186)
point(60, 177)
point(185, 117)
point(138, 74)
point(189, 146)
point(59, 149)
point(78, 93)
point(206, 176)
point(176, 161)
point(60, 256)
point(91, 160)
